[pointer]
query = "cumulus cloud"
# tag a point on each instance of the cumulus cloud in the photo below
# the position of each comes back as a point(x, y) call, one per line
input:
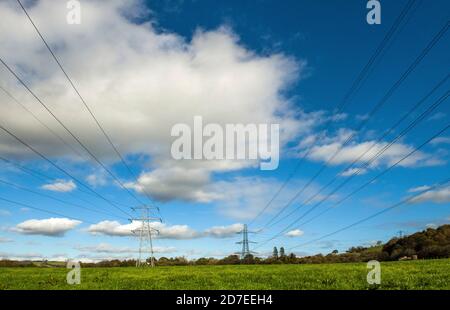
point(170, 183)
point(440, 195)
point(239, 198)
point(224, 231)
point(178, 232)
point(242, 198)
point(175, 231)
point(144, 80)
point(326, 146)
point(53, 227)
point(114, 228)
point(60, 186)
point(294, 233)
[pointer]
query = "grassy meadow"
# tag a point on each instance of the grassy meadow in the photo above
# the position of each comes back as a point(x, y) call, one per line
point(412, 275)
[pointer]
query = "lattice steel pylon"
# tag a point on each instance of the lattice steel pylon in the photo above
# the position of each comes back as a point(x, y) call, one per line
point(145, 234)
point(245, 248)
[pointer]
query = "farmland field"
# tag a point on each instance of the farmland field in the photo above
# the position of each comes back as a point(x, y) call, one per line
point(424, 274)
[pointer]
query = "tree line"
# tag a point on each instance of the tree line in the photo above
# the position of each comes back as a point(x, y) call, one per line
point(431, 243)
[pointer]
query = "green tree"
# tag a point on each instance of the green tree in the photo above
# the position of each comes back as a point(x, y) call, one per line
point(248, 259)
point(292, 258)
point(230, 260)
point(282, 253)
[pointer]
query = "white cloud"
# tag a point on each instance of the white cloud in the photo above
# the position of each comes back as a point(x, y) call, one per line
point(441, 195)
point(351, 171)
point(54, 227)
point(242, 198)
point(419, 189)
point(431, 225)
point(224, 231)
point(114, 228)
point(294, 233)
point(169, 183)
point(440, 140)
point(325, 148)
point(338, 117)
point(5, 240)
point(97, 179)
point(178, 232)
point(239, 198)
point(144, 80)
point(60, 186)
point(175, 231)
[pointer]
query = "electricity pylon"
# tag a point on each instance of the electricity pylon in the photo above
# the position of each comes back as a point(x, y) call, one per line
point(145, 234)
point(245, 248)
point(401, 234)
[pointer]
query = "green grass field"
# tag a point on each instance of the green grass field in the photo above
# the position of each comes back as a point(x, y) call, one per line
point(430, 274)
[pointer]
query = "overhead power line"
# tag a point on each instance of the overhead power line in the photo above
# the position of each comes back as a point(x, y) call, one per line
point(25, 189)
point(97, 122)
point(374, 110)
point(45, 178)
point(371, 181)
point(367, 68)
point(51, 131)
point(42, 210)
point(60, 168)
point(340, 201)
point(357, 83)
point(119, 182)
point(399, 204)
point(378, 154)
point(373, 144)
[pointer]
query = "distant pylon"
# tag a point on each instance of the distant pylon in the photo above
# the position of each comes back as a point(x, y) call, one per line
point(145, 234)
point(245, 248)
point(401, 233)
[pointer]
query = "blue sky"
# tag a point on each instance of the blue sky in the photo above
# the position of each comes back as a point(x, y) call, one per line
point(144, 66)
